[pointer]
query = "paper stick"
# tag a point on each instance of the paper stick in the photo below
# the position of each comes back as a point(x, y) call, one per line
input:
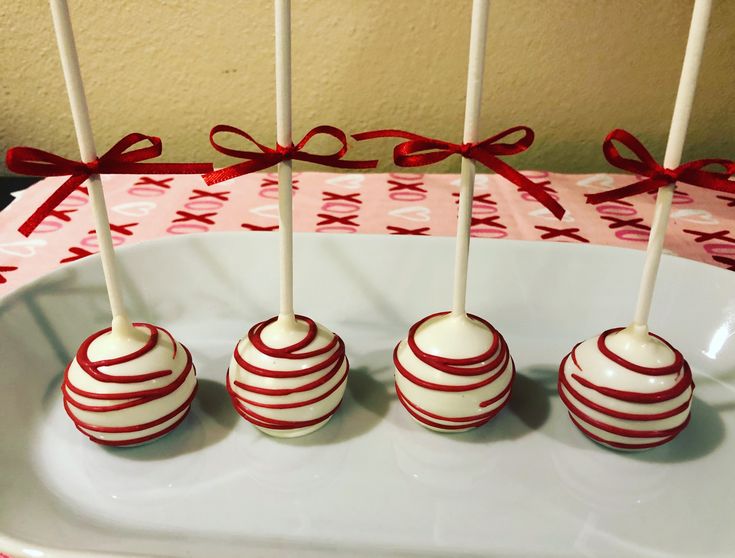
point(85, 139)
point(672, 158)
point(283, 136)
point(475, 73)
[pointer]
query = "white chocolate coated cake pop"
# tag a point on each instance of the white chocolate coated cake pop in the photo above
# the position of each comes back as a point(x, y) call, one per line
point(128, 389)
point(627, 389)
point(453, 372)
point(288, 381)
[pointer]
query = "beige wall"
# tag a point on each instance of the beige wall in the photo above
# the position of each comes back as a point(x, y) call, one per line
point(571, 69)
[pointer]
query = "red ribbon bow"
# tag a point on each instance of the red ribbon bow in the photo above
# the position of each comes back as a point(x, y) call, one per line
point(119, 159)
point(420, 150)
point(657, 176)
point(267, 157)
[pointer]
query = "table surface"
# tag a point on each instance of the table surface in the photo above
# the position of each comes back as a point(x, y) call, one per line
point(702, 225)
point(9, 185)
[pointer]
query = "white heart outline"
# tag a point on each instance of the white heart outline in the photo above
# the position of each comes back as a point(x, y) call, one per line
point(422, 212)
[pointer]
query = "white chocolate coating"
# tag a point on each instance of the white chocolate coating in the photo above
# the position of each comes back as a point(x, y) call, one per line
point(289, 381)
point(129, 390)
point(466, 385)
point(627, 389)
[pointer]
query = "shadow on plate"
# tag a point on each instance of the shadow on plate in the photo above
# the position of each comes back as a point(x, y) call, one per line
point(702, 436)
point(192, 435)
point(211, 404)
point(528, 409)
point(52, 394)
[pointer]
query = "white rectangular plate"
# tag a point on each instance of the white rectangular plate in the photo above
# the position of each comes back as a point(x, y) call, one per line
point(372, 482)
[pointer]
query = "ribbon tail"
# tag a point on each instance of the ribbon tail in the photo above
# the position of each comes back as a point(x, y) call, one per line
point(390, 133)
point(640, 187)
point(45, 209)
point(723, 185)
point(367, 164)
point(332, 161)
point(162, 168)
point(709, 180)
point(419, 159)
point(523, 183)
point(240, 169)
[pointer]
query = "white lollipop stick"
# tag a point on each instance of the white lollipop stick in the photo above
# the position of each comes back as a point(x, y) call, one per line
point(475, 71)
point(283, 137)
point(672, 158)
point(85, 139)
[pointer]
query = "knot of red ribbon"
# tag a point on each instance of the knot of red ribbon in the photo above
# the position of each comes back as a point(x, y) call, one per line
point(419, 150)
point(657, 176)
point(465, 149)
point(93, 166)
point(268, 157)
point(286, 150)
point(119, 159)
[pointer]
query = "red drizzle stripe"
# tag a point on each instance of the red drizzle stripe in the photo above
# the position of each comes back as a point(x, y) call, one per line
point(617, 430)
point(683, 384)
point(133, 428)
point(416, 411)
point(661, 371)
point(624, 445)
point(639, 397)
point(443, 387)
point(457, 366)
point(619, 414)
point(298, 389)
point(335, 358)
point(572, 398)
point(140, 440)
point(316, 399)
point(275, 424)
point(504, 391)
point(574, 355)
point(480, 416)
point(128, 399)
point(292, 351)
point(93, 367)
point(496, 359)
point(297, 373)
point(272, 424)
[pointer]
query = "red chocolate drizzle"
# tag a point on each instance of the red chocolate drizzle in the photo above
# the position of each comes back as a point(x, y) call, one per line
point(128, 399)
point(334, 352)
point(672, 368)
point(494, 359)
point(640, 438)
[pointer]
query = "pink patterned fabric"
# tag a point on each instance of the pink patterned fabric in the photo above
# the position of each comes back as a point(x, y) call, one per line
point(702, 225)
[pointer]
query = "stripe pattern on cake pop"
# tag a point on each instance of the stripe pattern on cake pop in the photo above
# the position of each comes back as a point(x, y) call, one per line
point(626, 419)
point(476, 388)
point(303, 388)
point(115, 407)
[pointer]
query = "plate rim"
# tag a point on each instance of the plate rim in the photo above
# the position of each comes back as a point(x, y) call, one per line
point(93, 259)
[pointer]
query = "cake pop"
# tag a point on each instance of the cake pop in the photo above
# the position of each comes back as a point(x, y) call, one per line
point(627, 389)
point(129, 383)
point(288, 374)
point(289, 382)
point(128, 389)
point(453, 373)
